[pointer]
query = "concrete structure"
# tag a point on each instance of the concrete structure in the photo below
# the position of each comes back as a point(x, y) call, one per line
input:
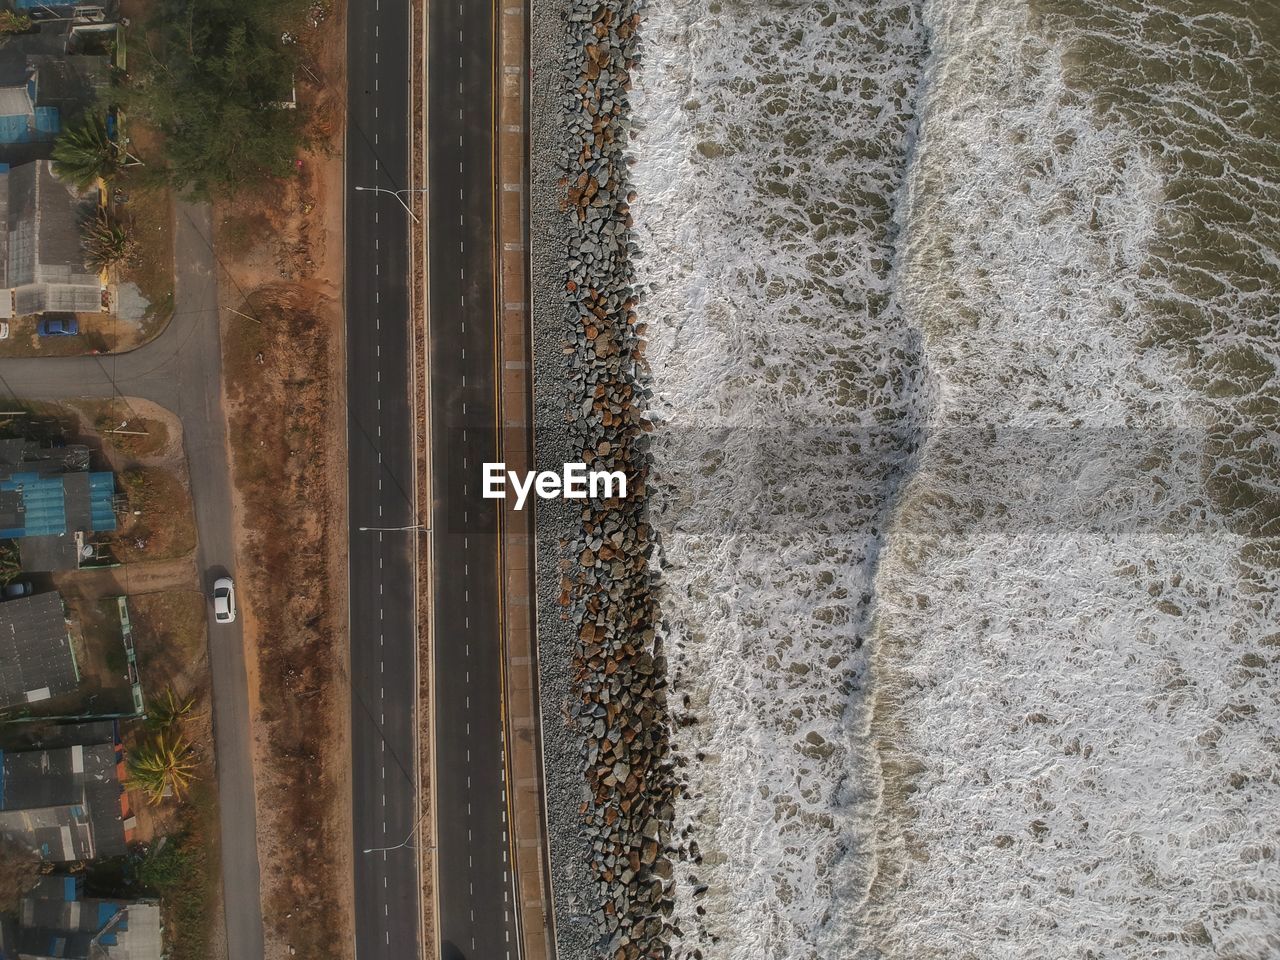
point(56, 920)
point(42, 257)
point(181, 369)
point(37, 660)
point(65, 803)
point(49, 74)
point(50, 500)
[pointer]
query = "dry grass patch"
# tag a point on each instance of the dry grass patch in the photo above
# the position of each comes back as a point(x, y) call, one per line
point(149, 212)
point(123, 430)
point(282, 407)
point(158, 522)
point(169, 637)
point(169, 631)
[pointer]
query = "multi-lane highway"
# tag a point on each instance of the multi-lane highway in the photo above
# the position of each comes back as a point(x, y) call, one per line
point(381, 443)
point(477, 902)
point(475, 895)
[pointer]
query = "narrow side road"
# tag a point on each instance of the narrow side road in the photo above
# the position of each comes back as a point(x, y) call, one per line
point(182, 370)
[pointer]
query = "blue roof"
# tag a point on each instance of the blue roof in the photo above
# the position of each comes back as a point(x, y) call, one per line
point(102, 492)
point(15, 129)
point(48, 121)
point(44, 503)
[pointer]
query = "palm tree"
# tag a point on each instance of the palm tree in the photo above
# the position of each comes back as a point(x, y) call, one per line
point(169, 710)
point(165, 766)
point(108, 242)
point(84, 151)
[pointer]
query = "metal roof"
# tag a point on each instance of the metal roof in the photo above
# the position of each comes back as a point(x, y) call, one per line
point(15, 101)
point(59, 551)
point(36, 657)
point(32, 505)
point(44, 243)
point(64, 803)
point(89, 929)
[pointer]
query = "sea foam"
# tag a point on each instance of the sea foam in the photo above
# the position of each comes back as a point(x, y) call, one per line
point(1076, 710)
point(770, 140)
point(1002, 401)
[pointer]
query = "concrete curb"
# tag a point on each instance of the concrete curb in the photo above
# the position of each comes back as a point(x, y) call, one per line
point(526, 795)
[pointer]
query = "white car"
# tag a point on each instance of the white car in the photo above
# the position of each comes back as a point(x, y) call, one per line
point(224, 600)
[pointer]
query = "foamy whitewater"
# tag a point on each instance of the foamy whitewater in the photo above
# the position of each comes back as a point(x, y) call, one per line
point(963, 335)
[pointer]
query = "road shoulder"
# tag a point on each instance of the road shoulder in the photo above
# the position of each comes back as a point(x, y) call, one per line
point(520, 652)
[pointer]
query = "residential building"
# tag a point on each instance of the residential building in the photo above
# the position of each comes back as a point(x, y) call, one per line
point(56, 921)
point(37, 659)
point(64, 800)
point(50, 501)
point(50, 74)
point(42, 257)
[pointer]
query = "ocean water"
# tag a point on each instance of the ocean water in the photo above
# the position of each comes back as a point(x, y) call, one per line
point(769, 146)
point(963, 334)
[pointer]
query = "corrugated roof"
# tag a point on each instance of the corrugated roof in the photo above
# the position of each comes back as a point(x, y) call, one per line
point(15, 101)
point(35, 650)
point(88, 928)
point(51, 553)
point(44, 253)
point(37, 505)
point(63, 802)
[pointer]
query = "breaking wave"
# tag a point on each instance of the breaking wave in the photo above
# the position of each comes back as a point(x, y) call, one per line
point(1002, 402)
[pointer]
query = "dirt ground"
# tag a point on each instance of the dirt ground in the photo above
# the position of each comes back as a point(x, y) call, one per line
point(169, 630)
point(142, 442)
point(156, 545)
point(281, 250)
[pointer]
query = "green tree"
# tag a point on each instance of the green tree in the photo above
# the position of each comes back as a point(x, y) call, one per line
point(11, 22)
point(212, 81)
point(164, 765)
point(84, 152)
point(108, 242)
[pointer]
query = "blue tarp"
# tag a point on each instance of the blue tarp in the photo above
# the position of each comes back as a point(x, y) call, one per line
point(105, 912)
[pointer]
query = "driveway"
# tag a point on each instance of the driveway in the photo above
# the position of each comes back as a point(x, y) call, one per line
point(182, 370)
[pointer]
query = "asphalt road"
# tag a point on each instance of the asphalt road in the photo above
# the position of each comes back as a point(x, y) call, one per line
point(477, 902)
point(181, 370)
point(380, 485)
point(476, 896)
